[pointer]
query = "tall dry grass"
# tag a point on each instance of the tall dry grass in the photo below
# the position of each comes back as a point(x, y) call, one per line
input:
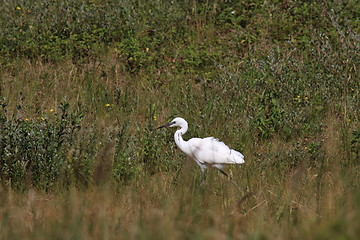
point(304, 202)
point(79, 100)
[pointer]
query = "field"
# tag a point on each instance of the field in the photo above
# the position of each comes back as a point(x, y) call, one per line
point(83, 85)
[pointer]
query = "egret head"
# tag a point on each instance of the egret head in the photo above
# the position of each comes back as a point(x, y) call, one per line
point(176, 122)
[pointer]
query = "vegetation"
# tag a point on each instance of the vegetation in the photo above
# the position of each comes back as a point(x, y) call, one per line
point(83, 83)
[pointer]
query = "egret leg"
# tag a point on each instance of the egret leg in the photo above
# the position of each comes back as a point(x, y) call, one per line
point(228, 176)
point(202, 176)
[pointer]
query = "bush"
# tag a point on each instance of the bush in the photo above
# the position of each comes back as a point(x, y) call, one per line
point(34, 152)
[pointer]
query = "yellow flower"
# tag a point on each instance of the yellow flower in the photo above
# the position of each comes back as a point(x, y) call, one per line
point(107, 105)
point(297, 98)
point(154, 118)
point(306, 98)
point(51, 110)
point(42, 119)
point(26, 119)
point(147, 49)
point(18, 8)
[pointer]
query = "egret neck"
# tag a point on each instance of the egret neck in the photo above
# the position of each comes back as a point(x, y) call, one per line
point(180, 141)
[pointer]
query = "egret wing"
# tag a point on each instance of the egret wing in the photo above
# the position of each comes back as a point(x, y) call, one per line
point(211, 151)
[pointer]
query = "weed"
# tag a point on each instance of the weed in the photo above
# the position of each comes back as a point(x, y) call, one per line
point(34, 150)
point(84, 83)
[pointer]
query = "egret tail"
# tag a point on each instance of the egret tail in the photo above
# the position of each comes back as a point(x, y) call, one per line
point(237, 157)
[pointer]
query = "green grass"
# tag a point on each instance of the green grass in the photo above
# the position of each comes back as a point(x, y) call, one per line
point(83, 83)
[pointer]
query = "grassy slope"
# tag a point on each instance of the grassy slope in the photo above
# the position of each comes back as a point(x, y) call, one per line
point(276, 80)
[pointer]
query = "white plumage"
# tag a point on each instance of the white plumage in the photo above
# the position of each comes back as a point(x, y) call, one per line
point(206, 152)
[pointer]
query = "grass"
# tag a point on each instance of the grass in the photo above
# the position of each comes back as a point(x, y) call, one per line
point(83, 83)
point(156, 207)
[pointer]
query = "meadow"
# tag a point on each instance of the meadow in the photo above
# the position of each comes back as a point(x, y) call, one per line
point(84, 83)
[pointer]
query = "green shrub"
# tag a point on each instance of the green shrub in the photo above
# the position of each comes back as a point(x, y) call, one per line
point(34, 151)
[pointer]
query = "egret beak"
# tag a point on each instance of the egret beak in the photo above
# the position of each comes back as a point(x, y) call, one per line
point(165, 126)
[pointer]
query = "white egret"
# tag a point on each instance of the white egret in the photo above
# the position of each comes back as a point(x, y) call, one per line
point(206, 152)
